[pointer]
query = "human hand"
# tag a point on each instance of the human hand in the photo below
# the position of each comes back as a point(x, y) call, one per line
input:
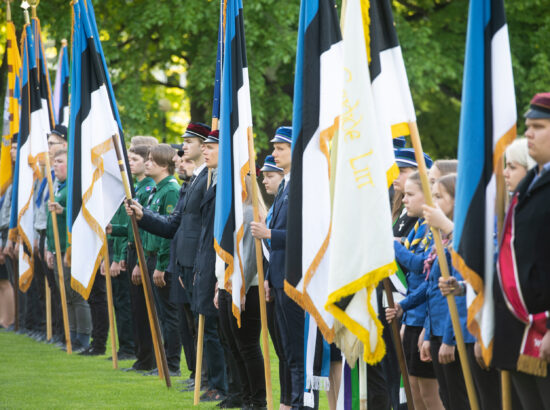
point(425, 354)
point(446, 354)
point(109, 229)
point(267, 289)
point(479, 356)
point(133, 207)
point(115, 269)
point(259, 230)
point(49, 259)
point(136, 276)
point(545, 347)
point(449, 286)
point(55, 207)
point(158, 278)
point(395, 312)
point(437, 219)
point(122, 265)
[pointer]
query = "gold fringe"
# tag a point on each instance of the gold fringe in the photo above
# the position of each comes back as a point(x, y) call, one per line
point(477, 304)
point(392, 174)
point(401, 129)
point(505, 140)
point(532, 365)
point(79, 287)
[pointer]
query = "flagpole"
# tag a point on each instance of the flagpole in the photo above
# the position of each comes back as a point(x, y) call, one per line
point(160, 354)
point(260, 268)
point(109, 285)
point(398, 344)
point(465, 364)
point(48, 310)
point(198, 364)
point(56, 237)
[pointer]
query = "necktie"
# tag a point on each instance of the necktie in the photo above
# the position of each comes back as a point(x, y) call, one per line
point(281, 188)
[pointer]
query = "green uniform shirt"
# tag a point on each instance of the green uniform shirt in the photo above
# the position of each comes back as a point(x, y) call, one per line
point(143, 190)
point(163, 201)
point(120, 243)
point(60, 196)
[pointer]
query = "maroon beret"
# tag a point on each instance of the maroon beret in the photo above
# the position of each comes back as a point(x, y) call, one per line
point(539, 106)
point(213, 136)
point(197, 130)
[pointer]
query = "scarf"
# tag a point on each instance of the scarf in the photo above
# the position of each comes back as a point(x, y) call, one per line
point(317, 361)
point(535, 325)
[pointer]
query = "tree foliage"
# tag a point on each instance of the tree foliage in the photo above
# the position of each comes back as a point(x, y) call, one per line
point(164, 51)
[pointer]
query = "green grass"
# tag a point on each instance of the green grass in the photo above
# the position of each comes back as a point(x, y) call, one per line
point(37, 376)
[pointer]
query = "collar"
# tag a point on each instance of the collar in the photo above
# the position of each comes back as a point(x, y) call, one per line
point(147, 181)
point(198, 170)
point(287, 178)
point(545, 168)
point(166, 181)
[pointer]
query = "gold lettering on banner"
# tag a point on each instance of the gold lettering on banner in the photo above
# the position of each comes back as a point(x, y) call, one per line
point(361, 170)
point(350, 122)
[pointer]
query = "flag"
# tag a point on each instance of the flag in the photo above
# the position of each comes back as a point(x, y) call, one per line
point(487, 125)
point(44, 76)
point(233, 158)
point(31, 146)
point(95, 188)
point(362, 239)
point(61, 89)
point(390, 86)
point(11, 107)
point(317, 100)
point(219, 65)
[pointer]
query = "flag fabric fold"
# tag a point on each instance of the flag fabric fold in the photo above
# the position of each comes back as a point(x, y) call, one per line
point(95, 188)
point(11, 107)
point(31, 147)
point(233, 157)
point(43, 76)
point(317, 101)
point(487, 125)
point(362, 240)
point(61, 88)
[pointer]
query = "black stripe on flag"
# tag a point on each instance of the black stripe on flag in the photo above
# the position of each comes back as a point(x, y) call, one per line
point(91, 80)
point(382, 34)
point(472, 244)
point(320, 35)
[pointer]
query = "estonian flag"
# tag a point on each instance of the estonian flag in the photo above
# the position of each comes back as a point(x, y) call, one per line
point(233, 157)
point(487, 125)
point(362, 239)
point(61, 88)
point(317, 106)
point(11, 107)
point(95, 188)
point(44, 78)
point(31, 146)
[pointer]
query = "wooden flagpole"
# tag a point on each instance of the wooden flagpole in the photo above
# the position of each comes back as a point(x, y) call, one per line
point(48, 310)
point(465, 364)
point(160, 354)
point(399, 347)
point(198, 364)
point(260, 268)
point(109, 286)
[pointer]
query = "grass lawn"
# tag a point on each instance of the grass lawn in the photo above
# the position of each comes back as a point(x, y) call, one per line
point(37, 375)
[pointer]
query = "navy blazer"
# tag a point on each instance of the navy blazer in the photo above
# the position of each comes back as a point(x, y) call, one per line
point(184, 223)
point(276, 270)
point(205, 263)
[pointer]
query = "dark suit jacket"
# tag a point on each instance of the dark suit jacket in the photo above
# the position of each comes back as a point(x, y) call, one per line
point(183, 224)
point(532, 251)
point(205, 263)
point(276, 271)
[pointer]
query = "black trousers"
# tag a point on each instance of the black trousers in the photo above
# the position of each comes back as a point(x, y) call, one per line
point(187, 336)
point(35, 314)
point(123, 311)
point(143, 340)
point(244, 345)
point(290, 319)
point(284, 372)
point(100, 314)
point(213, 353)
point(452, 388)
point(487, 383)
point(533, 391)
point(168, 316)
point(57, 311)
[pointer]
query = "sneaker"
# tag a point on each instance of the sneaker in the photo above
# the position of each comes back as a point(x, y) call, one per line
point(212, 395)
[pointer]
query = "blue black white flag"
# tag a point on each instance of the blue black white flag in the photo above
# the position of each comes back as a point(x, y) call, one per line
point(61, 87)
point(95, 188)
point(318, 89)
point(233, 156)
point(487, 125)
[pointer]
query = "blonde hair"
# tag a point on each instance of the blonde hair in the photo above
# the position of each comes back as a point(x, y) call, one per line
point(143, 140)
point(518, 152)
point(446, 166)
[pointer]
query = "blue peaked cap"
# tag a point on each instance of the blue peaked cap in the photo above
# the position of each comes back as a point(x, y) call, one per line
point(283, 134)
point(404, 157)
point(399, 142)
point(270, 165)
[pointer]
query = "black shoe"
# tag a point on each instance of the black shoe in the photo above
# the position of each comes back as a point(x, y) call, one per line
point(92, 351)
point(212, 395)
point(123, 356)
point(39, 337)
point(155, 372)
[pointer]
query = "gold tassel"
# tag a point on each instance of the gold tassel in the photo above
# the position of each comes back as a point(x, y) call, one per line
point(532, 365)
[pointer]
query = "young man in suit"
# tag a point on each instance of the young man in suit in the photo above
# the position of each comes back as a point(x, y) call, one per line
point(289, 316)
point(522, 293)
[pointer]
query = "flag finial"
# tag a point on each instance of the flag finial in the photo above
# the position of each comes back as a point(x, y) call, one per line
point(25, 6)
